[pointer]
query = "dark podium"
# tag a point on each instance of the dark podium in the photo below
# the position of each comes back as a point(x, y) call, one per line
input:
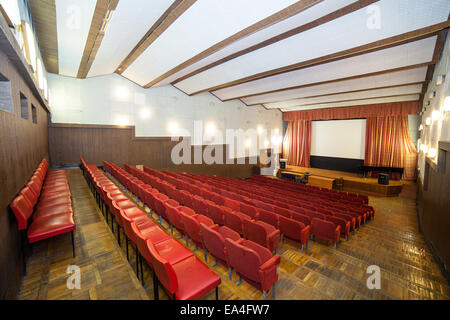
point(386, 170)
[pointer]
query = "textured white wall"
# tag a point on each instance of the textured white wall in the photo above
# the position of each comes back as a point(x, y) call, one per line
point(439, 130)
point(114, 100)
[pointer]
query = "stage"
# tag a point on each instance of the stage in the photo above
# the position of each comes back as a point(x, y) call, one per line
point(345, 181)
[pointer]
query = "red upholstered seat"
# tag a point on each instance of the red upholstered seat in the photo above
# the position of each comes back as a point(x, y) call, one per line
point(261, 233)
point(215, 212)
point(251, 211)
point(191, 225)
point(268, 217)
point(53, 202)
point(294, 230)
point(49, 211)
point(213, 238)
point(326, 230)
point(234, 220)
point(345, 225)
point(44, 228)
point(174, 217)
point(188, 279)
point(172, 250)
point(23, 210)
point(253, 262)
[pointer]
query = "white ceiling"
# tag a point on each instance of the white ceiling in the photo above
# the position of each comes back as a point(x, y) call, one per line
point(130, 15)
point(208, 22)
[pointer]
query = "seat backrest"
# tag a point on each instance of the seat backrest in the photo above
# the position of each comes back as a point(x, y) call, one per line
point(244, 260)
point(23, 210)
point(284, 212)
point(141, 241)
point(320, 226)
point(249, 210)
point(213, 241)
point(191, 226)
point(215, 212)
point(232, 204)
point(34, 186)
point(302, 218)
point(255, 232)
point(268, 217)
point(187, 211)
point(290, 227)
point(29, 195)
point(163, 270)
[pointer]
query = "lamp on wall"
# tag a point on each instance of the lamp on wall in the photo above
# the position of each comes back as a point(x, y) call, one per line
point(421, 127)
point(432, 153)
point(428, 121)
point(447, 104)
point(435, 115)
point(440, 79)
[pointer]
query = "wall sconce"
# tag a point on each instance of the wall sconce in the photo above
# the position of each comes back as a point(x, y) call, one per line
point(435, 115)
point(428, 121)
point(421, 127)
point(447, 104)
point(440, 79)
point(260, 130)
point(432, 95)
point(424, 148)
point(432, 153)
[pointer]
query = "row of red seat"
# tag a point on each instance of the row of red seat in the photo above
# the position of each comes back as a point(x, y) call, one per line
point(220, 209)
point(180, 272)
point(250, 260)
point(272, 194)
point(330, 193)
point(323, 197)
point(46, 199)
point(295, 227)
point(304, 212)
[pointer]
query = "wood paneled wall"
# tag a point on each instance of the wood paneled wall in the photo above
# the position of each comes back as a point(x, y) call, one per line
point(23, 144)
point(119, 145)
point(433, 206)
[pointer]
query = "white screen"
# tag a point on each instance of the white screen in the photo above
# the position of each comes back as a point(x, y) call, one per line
point(338, 138)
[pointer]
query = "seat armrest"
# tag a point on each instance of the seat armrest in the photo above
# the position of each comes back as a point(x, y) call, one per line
point(337, 233)
point(268, 272)
point(305, 234)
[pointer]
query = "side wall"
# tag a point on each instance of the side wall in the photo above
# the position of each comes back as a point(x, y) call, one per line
point(433, 201)
point(119, 145)
point(23, 144)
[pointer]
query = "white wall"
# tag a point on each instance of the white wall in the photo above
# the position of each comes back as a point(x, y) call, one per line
point(338, 138)
point(439, 130)
point(114, 100)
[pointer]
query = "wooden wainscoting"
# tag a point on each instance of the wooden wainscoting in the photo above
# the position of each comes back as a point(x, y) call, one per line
point(23, 144)
point(118, 144)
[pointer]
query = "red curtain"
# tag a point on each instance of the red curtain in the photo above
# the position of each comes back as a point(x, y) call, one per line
point(388, 144)
point(366, 111)
point(297, 143)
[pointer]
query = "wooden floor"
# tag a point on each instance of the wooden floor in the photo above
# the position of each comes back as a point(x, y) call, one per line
point(391, 242)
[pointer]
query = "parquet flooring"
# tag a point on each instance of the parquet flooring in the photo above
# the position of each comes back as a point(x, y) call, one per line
point(391, 241)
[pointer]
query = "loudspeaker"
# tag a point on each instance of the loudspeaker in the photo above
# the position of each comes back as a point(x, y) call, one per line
point(383, 178)
point(283, 163)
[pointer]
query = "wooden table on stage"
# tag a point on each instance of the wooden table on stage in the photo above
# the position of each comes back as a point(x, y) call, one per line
point(322, 182)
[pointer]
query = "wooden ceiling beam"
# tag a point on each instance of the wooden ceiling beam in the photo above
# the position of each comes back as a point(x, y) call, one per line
point(102, 9)
point(437, 51)
point(43, 14)
point(397, 40)
point(177, 8)
point(350, 100)
point(313, 24)
point(335, 93)
point(281, 15)
point(415, 66)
